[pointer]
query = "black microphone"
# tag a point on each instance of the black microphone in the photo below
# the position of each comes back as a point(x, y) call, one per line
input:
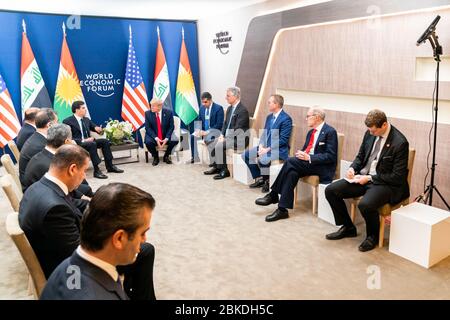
point(428, 31)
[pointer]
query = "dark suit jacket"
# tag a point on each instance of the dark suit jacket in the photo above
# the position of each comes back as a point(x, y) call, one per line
point(51, 223)
point(240, 122)
point(95, 283)
point(325, 152)
point(392, 166)
point(75, 127)
point(39, 165)
point(32, 146)
point(215, 117)
point(279, 137)
point(167, 126)
point(25, 132)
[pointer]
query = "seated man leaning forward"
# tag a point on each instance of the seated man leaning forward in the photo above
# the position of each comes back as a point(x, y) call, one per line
point(159, 127)
point(318, 157)
point(112, 239)
point(378, 174)
point(273, 144)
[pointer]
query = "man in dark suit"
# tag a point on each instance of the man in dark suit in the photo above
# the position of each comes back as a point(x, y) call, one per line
point(44, 119)
point(28, 127)
point(318, 157)
point(51, 221)
point(112, 241)
point(208, 125)
point(57, 135)
point(159, 133)
point(378, 174)
point(81, 127)
point(234, 135)
point(273, 144)
point(47, 213)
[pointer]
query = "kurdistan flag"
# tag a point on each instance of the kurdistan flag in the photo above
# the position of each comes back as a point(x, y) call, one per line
point(68, 87)
point(161, 86)
point(32, 86)
point(186, 103)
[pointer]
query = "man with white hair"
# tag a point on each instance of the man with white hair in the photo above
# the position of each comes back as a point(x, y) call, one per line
point(234, 134)
point(318, 157)
point(159, 133)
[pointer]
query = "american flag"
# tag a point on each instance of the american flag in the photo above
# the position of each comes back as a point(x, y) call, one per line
point(135, 101)
point(9, 123)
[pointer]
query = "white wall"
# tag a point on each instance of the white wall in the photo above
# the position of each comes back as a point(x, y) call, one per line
point(218, 71)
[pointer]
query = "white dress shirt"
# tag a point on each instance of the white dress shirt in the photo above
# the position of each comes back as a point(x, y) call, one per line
point(316, 136)
point(373, 166)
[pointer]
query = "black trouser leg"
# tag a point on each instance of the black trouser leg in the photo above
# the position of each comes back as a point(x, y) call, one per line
point(170, 145)
point(151, 146)
point(138, 283)
point(105, 145)
point(375, 197)
point(335, 193)
point(91, 147)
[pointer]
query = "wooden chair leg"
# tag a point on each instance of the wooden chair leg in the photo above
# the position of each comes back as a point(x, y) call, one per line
point(381, 235)
point(314, 200)
point(295, 196)
point(146, 156)
point(353, 210)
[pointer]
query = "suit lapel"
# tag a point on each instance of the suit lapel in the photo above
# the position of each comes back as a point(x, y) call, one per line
point(322, 132)
point(370, 141)
point(387, 143)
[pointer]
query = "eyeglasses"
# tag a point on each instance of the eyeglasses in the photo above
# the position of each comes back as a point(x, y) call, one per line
point(309, 115)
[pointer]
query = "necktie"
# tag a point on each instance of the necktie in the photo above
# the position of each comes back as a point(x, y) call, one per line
point(229, 120)
point(269, 134)
point(373, 156)
point(158, 125)
point(207, 119)
point(80, 122)
point(311, 141)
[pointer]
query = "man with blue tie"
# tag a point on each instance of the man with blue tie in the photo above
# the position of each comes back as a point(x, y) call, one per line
point(159, 128)
point(210, 119)
point(273, 144)
point(318, 157)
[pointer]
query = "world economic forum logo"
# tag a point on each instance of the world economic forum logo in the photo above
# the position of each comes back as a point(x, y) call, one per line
point(102, 84)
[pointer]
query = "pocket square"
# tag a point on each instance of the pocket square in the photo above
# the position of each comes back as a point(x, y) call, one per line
point(321, 143)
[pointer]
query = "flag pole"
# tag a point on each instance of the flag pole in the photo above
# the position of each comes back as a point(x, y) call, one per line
point(182, 32)
point(157, 30)
point(129, 27)
point(64, 29)
point(24, 26)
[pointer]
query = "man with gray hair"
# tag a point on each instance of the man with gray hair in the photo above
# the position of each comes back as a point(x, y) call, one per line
point(318, 157)
point(234, 134)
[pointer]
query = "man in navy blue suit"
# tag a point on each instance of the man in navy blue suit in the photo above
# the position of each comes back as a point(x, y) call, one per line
point(273, 144)
point(318, 157)
point(210, 119)
point(159, 128)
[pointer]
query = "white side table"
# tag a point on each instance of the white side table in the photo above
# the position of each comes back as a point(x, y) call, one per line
point(420, 233)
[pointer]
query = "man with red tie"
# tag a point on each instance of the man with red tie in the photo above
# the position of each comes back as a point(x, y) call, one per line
point(317, 157)
point(159, 128)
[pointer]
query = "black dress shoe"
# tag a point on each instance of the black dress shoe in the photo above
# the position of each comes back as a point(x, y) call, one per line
point(155, 161)
point(212, 171)
point(211, 165)
point(100, 175)
point(195, 160)
point(222, 174)
point(257, 184)
point(277, 215)
point(343, 232)
point(114, 169)
point(267, 199)
point(368, 244)
point(266, 187)
point(167, 160)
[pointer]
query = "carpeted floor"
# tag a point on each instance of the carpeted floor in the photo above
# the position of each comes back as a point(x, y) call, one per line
point(212, 243)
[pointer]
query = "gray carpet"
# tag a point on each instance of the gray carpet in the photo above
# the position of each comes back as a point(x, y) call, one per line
point(212, 243)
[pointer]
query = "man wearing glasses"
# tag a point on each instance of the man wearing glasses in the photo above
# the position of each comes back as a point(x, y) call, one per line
point(317, 157)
